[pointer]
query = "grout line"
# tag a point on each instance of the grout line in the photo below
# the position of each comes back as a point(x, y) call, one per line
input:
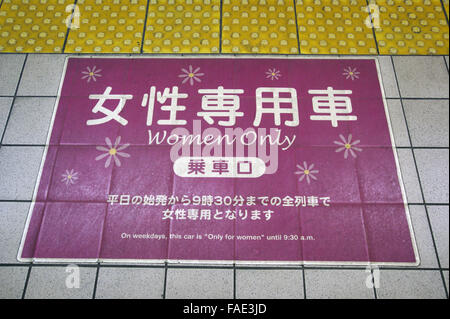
point(191, 266)
point(234, 280)
point(69, 26)
point(419, 98)
point(131, 54)
point(304, 282)
point(30, 96)
point(412, 269)
point(22, 145)
point(165, 281)
point(296, 26)
point(420, 183)
point(137, 266)
point(445, 61)
point(373, 29)
point(424, 147)
point(221, 26)
point(26, 281)
point(14, 99)
point(1, 3)
point(430, 204)
point(96, 281)
point(445, 12)
point(373, 282)
point(145, 28)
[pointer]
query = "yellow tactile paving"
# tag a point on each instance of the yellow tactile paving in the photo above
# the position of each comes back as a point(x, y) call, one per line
point(417, 27)
point(412, 27)
point(190, 26)
point(259, 26)
point(33, 25)
point(334, 27)
point(107, 26)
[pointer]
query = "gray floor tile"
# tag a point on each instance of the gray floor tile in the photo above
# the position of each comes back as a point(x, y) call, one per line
point(388, 76)
point(411, 284)
point(422, 232)
point(398, 123)
point(428, 122)
point(12, 282)
point(12, 222)
point(337, 284)
point(269, 284)
point(433, 174)
point(446, 60)
point(10, 68)
point(19, 168)
point(120, 283)
point(42, 75)
point(439, 223)
point(423, 76)
point(446, 277)
point(50, 283)
point(30, 121)
point(409, 175)
point(199, 283)
point(5, 105)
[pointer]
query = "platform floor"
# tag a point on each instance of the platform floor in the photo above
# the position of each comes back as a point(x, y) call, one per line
point(417, 91)
point(409, 37)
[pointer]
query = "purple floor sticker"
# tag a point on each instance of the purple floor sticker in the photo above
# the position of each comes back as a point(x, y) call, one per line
point(220, 160)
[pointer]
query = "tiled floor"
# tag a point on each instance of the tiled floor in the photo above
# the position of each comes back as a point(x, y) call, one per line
point(418, 101)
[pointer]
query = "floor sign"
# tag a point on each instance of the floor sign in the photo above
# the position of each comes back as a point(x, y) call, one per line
point(219, 160)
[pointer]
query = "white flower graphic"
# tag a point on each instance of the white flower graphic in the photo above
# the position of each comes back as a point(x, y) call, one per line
point(306, 171)
point(347, 146)
point(69, 177)
point(112, 151)
point(191, 75)
point(351, 73)
point(91, 74)
point(273, 74)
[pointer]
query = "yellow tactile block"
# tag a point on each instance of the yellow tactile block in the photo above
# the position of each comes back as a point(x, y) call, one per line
point(259, 26)
point(412, 27)
point(446, 6)
point(189, 26)
point(334, 27)
point(113, 26)
point(33, 25)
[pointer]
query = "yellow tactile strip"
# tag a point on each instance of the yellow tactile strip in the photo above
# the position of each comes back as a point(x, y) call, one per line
point(33, 25)
point(103, 26)
point(259, 26)
point(412, 27)
point(417, 27)
point(334, 27)
point(190, 26)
